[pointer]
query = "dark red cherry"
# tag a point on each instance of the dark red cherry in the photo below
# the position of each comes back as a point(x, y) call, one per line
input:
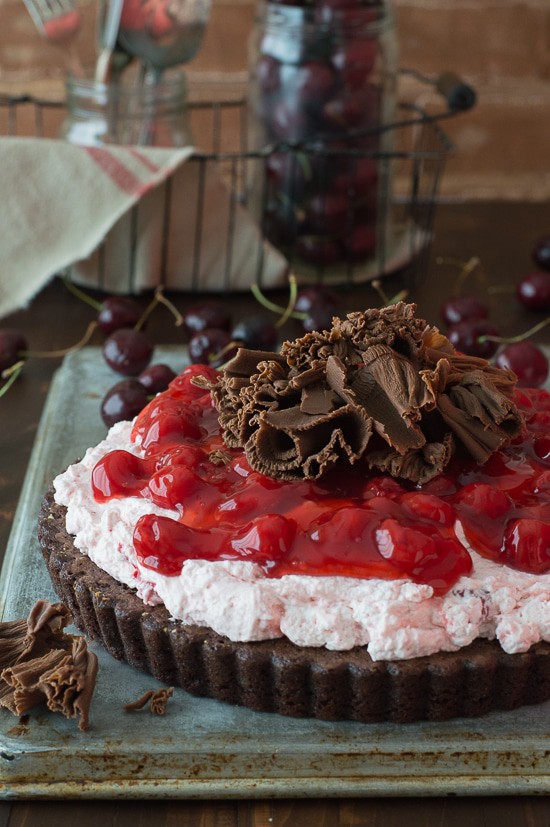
point(210, 347)
point(527, 361)
point(156, 378)
point(465, 337)
point(357, 177)
point(255, 332)
point(318, 250)
point(347, 111)
point(310, 83)
point(319, 318)
point(463, 308)
point(354, 60)
point(207, 314)
point(127, 351)
point(328, 213)
point(360, 243)
point(315, 295)
point(268, 73)
point(534, 291)
point(13, 345)
point(541, 253)
point(117, 312)
point(123, 401)
point(290, 122)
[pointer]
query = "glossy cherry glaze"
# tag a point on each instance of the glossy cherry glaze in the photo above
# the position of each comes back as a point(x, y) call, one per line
point(351, 523)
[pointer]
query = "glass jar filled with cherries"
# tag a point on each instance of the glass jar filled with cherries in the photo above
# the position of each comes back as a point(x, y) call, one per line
point(322, 89)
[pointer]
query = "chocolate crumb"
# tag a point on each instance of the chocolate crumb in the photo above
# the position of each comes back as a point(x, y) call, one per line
point(382, 376)
point(41, 663)
point(156, 698)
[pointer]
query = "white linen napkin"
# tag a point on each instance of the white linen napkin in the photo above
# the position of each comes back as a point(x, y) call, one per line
point(60, 201)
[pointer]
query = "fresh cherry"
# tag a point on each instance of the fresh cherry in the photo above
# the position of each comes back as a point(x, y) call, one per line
point(360, 243)
point(328, 213)
point(211, 346)
point(462, 309)
point(12, 345)
point(116, 312)
point(319, 318)
point(156, 378)
point(315, 295)
point(534, 291)
point(255, 332)
point(127, 351)
point(354, 60)
point(541, 253)
point(465, 337)
point(318, 250)
point(123, 401)
point(527, 361)
point(209, 314)
point(310, 83)
point(268, 73)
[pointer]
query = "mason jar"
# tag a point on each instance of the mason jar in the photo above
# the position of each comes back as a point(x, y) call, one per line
point(143, 111)
point(321, 101)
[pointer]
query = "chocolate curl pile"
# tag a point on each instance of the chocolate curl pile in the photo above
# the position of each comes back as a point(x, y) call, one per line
point(382, 386)
point(40, 663)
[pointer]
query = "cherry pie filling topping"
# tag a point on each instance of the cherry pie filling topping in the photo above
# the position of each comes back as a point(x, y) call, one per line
point(351, 522)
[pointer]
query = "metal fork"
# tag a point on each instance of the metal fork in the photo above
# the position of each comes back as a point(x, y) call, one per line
point(58, 21)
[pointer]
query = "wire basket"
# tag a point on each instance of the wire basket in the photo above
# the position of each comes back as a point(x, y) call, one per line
point(410, 173)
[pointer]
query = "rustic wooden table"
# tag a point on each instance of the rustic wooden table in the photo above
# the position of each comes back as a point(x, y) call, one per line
point(502, 236)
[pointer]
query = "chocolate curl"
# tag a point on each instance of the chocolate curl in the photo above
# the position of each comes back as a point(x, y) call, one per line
point(382, 374)
point(40, 663)
point(156, 698)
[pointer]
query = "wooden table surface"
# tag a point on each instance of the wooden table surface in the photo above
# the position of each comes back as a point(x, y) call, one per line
point(502, 236)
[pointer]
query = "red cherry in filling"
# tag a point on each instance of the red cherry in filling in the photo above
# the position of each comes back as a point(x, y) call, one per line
point(173, 486)
point(123, 402)
point(422, 554)
point(127, 351)
point(527, 361)
point(534, 291)
point(463, 309)
point(266, 539)
point(120, 474)
point(465, 336)
point(162, 544)
point(527, 545)
point(183, 385)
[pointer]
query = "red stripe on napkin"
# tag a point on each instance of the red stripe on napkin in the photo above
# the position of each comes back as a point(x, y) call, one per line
point(117, 171)
point(147, 163)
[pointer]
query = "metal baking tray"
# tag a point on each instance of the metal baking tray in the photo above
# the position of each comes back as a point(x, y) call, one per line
point(203, 748)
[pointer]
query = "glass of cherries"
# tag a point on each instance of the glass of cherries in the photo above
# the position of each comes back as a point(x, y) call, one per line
point(322, 82)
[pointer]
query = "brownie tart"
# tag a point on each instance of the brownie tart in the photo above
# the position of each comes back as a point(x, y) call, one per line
point(355, 528)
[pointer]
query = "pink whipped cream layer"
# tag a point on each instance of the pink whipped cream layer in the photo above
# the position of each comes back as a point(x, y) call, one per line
point(395, 619)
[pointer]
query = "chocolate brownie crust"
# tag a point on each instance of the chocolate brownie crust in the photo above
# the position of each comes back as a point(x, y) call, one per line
point(277, 676)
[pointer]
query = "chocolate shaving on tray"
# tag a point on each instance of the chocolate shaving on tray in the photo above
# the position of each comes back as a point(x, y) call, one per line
point(380, 386)
point(41, 663)
point(156, 698)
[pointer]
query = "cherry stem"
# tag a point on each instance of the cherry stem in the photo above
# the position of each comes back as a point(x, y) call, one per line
point(511, 340)
point(466, 269)
point(293, 292)
point(159, 298)
point(402, 294)
point(80, 294)
point(11, 375)
point(56, 354)
point(275, 308)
